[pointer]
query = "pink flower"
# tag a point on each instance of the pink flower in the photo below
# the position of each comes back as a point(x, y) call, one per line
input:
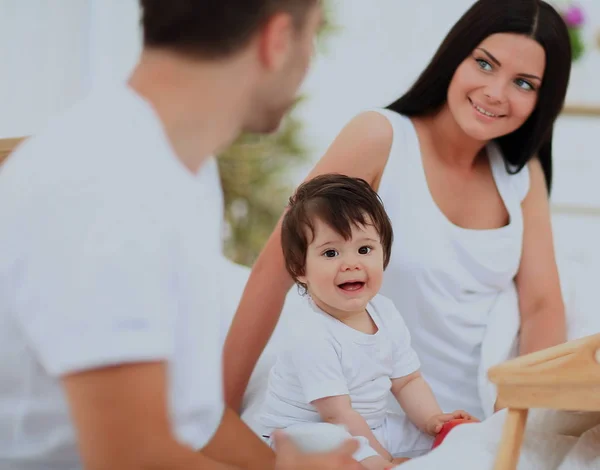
point(574, 16)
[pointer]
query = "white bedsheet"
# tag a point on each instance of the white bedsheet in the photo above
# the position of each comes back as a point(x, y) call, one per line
point(553, 441)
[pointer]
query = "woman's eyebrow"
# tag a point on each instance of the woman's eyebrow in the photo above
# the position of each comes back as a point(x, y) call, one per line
point(497, 62)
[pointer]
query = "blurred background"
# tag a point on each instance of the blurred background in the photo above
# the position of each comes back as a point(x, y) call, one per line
point(53, 52)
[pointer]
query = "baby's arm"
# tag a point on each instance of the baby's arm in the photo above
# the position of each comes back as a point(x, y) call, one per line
point(416, 399)
point(338, 410)
point(418, 402)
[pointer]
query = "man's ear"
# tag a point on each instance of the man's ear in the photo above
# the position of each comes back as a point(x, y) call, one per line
point(275, 41)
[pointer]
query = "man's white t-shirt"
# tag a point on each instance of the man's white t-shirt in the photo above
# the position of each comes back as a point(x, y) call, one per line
point(105, 258)
point(338, 360)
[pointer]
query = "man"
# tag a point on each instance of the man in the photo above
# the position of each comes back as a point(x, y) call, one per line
point(109, 328)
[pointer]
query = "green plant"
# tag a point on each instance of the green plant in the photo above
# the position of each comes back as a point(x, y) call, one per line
point(254, 176)
point(575, 19)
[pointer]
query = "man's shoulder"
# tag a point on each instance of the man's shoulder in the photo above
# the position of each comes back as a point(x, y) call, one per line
point(106, 147)
point(81, 138)
point(81, 181)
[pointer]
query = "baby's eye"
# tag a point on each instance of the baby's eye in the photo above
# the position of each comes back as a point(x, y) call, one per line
point(364, 250)
point(330, 253)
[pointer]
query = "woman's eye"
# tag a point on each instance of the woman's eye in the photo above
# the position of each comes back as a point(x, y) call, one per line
point(484, 64)
point(364, 250)
point(524, 84)
point(330, 253)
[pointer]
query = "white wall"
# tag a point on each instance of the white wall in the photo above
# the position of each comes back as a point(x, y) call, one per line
point(576, 165)
point(381, 48)
point(114, 40)
point(43, 50)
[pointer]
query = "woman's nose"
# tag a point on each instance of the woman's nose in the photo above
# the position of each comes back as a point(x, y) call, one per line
point(495, 92)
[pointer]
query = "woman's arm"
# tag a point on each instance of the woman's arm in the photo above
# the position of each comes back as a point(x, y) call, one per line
point(338, 410)
point(361, 150)
point(540, 300)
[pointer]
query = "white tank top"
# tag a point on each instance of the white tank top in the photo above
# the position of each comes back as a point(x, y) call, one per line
point(445, 279)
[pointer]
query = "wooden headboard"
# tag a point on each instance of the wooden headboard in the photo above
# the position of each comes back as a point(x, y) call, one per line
point(8, 145)
point(581, 110)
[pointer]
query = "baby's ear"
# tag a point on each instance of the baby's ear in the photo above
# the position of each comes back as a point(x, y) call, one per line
point(301, 279)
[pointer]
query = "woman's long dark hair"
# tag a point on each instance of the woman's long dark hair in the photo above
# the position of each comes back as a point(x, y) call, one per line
point(533, 18)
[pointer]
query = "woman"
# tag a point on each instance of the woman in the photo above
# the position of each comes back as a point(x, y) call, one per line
point(463, 163)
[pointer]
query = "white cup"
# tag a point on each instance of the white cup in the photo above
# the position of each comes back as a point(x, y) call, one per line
point(317, 437)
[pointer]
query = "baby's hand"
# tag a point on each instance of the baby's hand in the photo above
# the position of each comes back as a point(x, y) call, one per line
point(435, 423)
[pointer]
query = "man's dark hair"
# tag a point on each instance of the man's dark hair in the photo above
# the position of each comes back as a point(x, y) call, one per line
point(339, 201)
point(211, 28)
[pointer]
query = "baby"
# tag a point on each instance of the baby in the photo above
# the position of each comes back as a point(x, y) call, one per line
point(336, 239)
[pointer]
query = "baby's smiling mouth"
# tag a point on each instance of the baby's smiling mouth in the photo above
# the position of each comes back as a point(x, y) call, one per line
point(351, 286)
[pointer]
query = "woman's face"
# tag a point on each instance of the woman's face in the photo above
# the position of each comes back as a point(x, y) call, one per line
point(495, 89)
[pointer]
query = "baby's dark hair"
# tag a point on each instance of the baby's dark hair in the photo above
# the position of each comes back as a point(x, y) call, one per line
point(339, 201)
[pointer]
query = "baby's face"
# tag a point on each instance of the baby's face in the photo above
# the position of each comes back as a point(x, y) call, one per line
point(343, 275)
